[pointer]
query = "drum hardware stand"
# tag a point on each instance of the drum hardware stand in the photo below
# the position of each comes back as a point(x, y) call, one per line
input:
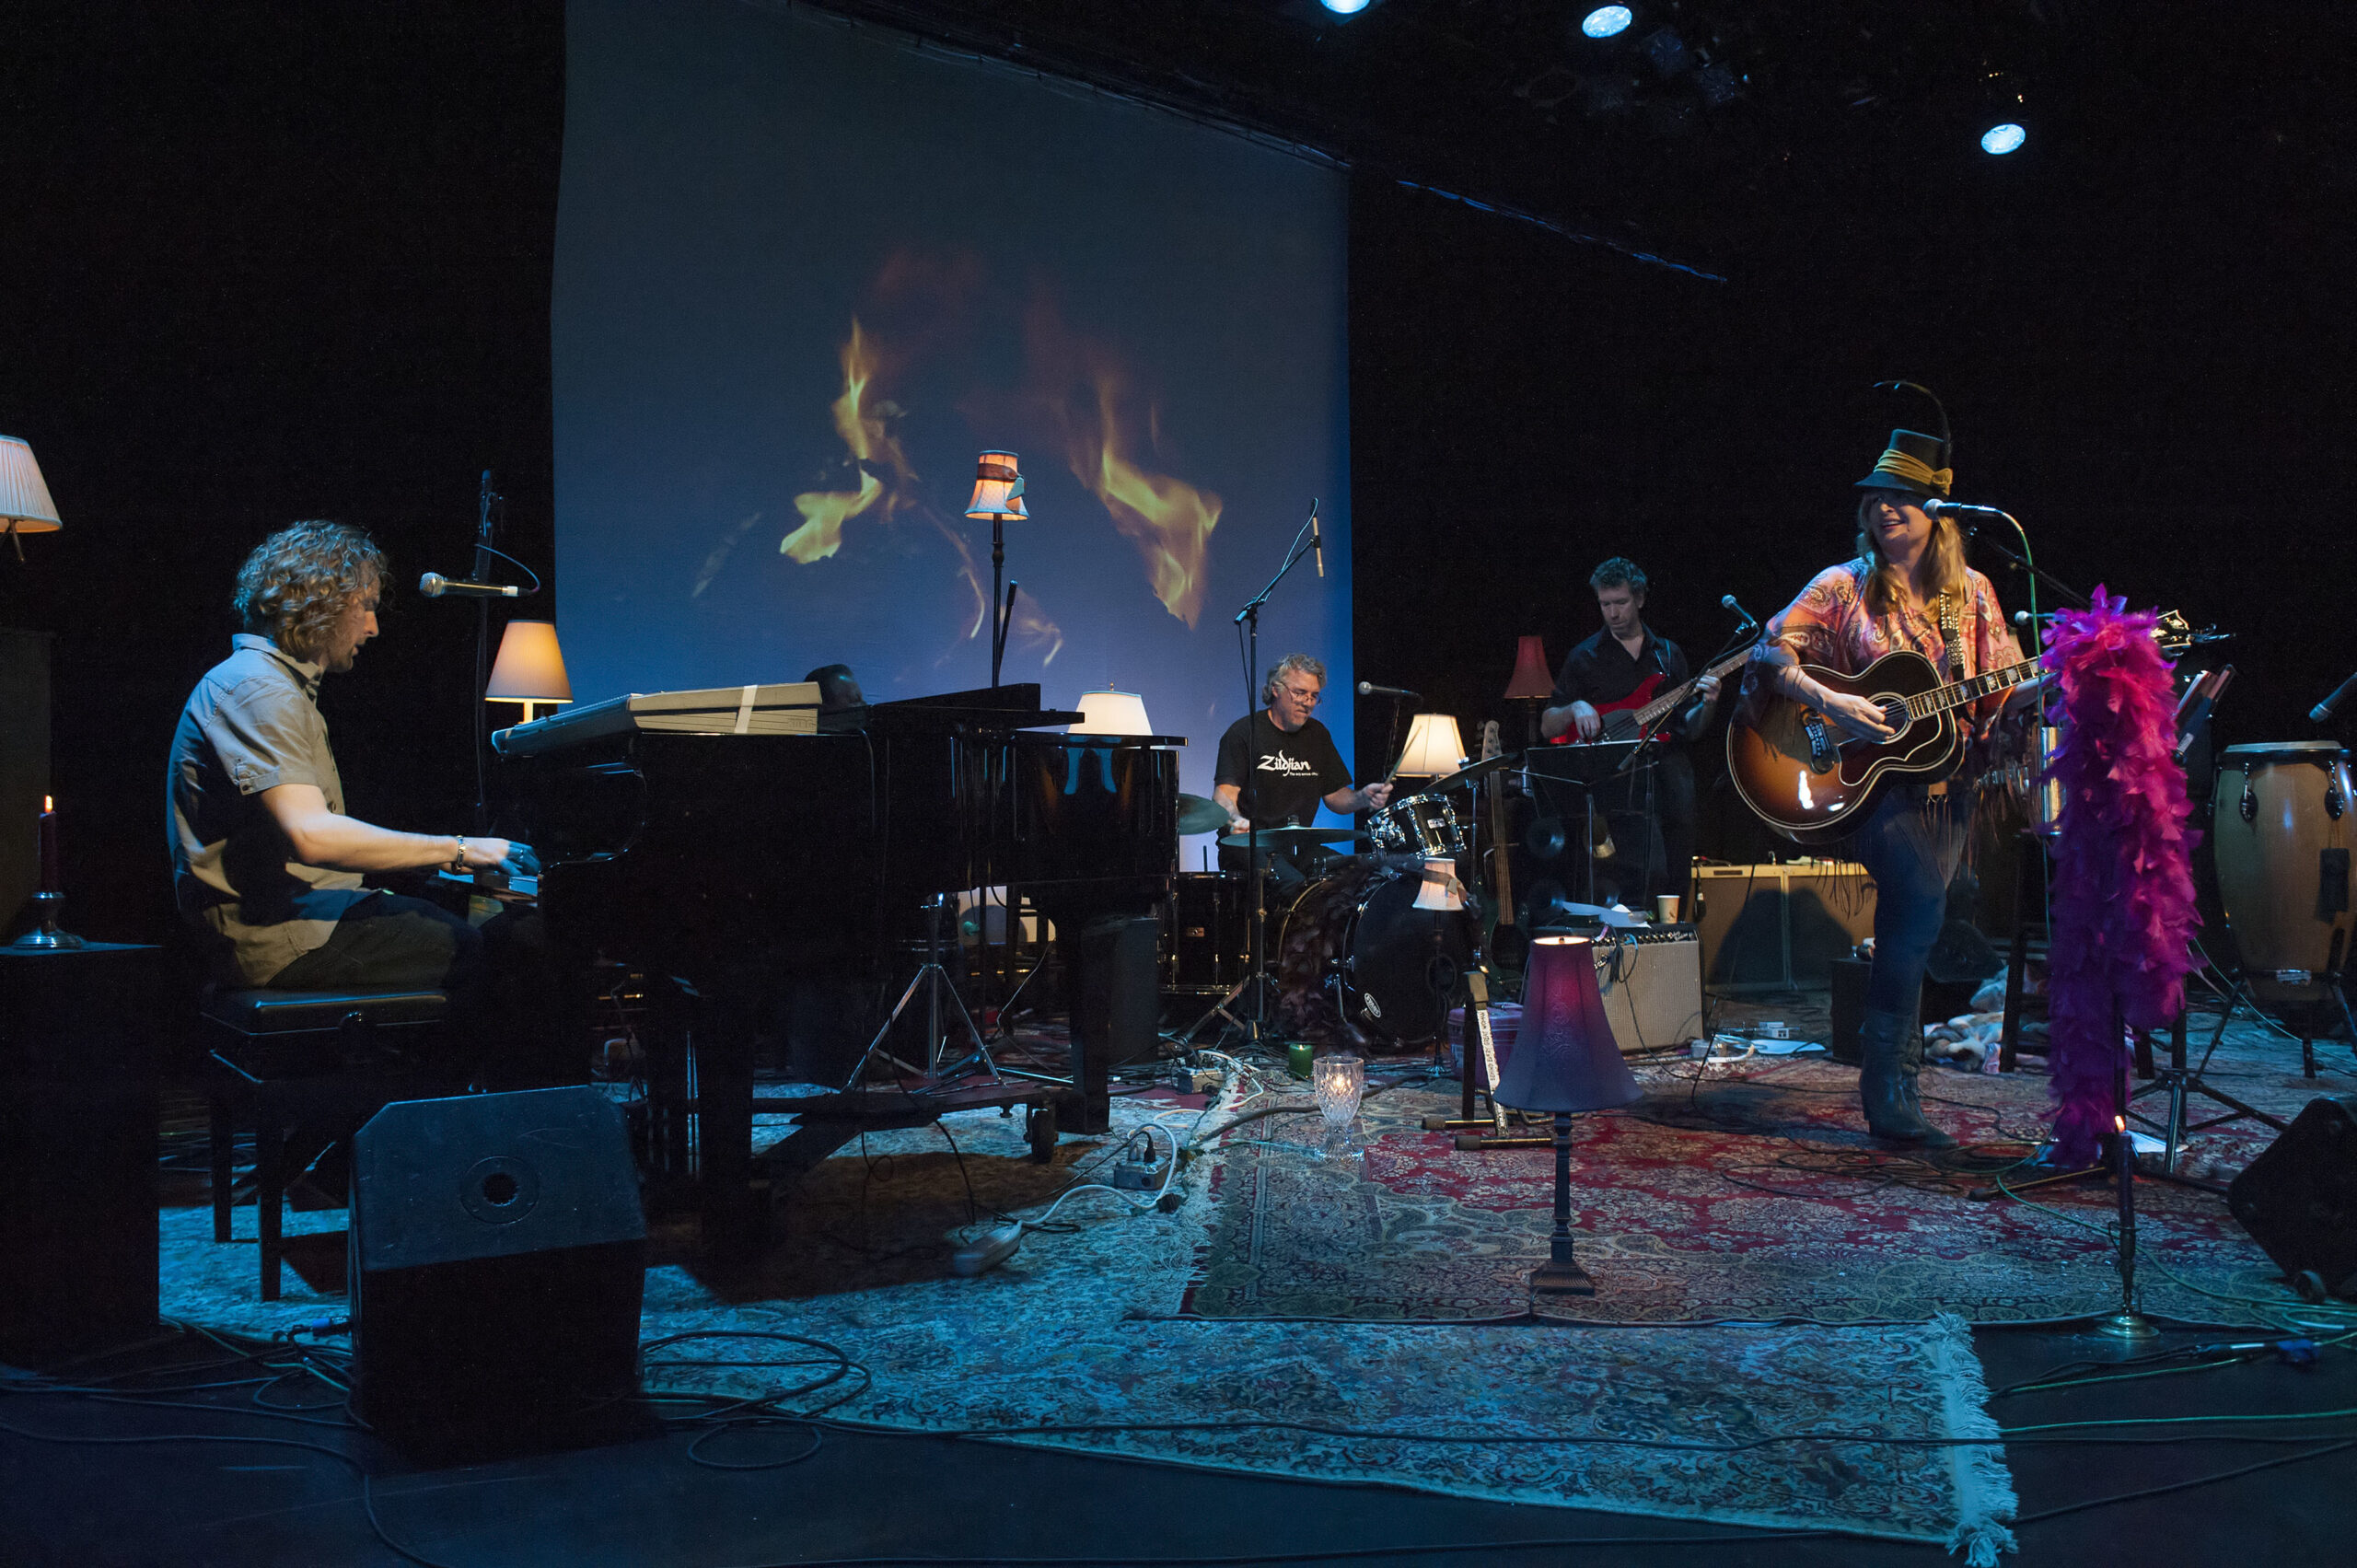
point(936, 981)
point(2178, 1082)
point(2238, 992)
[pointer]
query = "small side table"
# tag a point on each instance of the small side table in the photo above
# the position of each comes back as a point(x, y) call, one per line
point(79, 1067)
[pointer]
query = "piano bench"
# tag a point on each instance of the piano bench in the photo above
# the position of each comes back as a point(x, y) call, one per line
point(323, 1060)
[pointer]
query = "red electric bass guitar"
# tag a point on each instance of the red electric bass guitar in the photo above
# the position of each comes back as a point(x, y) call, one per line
point(1641, 713)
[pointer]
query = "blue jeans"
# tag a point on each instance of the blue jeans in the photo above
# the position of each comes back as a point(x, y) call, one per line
point(1911, 847)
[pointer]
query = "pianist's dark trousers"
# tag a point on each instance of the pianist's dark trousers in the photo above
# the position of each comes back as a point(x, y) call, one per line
point(506, 1002)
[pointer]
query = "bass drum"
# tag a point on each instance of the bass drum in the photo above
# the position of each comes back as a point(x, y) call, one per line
point(2282, 825)
point(1390, 968)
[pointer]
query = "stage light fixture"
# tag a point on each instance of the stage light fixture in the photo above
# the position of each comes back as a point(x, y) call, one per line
point(1998, 140)
point(1606, 22)
point(1345, 7)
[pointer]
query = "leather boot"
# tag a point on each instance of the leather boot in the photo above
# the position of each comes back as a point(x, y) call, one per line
point(1882, 1081)
point(1910, 1070)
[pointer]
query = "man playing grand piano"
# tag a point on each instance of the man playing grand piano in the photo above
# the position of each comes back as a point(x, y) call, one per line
point(267, 868)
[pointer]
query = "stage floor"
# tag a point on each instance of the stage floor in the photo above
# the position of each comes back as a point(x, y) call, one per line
point(1377, 1292)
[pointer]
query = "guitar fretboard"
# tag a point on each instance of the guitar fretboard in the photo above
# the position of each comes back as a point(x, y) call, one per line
point(1651, 713)
point(1958, 695)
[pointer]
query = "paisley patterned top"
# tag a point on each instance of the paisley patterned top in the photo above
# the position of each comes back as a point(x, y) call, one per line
point(1828, 625)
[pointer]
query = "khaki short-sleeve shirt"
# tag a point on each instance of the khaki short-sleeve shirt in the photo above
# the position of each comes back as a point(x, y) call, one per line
point(252, 722)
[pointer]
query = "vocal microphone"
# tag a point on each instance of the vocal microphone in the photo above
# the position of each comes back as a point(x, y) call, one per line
point(1933, 506)
point(1728, 600)
point(433, 585)
point(1369, 689)
point(2322, 712)
point(1317, 537)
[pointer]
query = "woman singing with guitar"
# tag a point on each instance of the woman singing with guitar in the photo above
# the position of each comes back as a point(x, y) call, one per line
point(1905, 817)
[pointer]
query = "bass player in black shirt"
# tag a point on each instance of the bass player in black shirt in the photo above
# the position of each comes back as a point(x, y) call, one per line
point(1605, 672)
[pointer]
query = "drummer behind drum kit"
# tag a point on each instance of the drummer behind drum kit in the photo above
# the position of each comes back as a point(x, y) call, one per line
point(1396, 913)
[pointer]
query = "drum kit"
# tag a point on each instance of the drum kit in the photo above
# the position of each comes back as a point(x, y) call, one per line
point(1383, 926)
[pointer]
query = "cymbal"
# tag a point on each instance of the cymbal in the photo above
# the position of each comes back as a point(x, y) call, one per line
point(1197, 815)
point(1470, 773)
point(1289, 838)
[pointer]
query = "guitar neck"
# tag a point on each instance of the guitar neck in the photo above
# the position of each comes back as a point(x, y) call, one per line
point(1961, 693)
point(1651, 713)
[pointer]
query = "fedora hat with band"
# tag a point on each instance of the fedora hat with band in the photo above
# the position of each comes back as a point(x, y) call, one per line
point(1914, 462)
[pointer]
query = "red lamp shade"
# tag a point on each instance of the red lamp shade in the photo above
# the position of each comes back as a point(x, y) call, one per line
point(1565, 1056)
point(1530, 674)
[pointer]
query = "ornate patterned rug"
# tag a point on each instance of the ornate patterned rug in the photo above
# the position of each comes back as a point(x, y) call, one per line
point(1747, 1191)
point(1079, 1330)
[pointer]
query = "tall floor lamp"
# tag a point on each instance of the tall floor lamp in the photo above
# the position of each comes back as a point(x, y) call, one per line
point(1564, 1060)
point(998, 495)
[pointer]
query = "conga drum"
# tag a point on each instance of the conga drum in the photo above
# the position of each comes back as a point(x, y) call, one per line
point(2282, 829)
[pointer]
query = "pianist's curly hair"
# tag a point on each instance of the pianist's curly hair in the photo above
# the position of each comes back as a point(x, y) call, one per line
point(297, 582)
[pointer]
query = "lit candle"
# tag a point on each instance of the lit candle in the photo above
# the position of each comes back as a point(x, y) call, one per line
point(50, 882)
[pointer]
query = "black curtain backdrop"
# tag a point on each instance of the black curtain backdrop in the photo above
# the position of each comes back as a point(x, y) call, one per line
point(279, 262)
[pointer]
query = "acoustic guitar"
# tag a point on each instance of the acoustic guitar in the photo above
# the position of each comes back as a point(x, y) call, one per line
point(1812, 778)
point(1641, 713)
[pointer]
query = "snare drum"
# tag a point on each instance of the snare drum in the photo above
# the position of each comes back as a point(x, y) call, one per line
point(2282, 829)
point(1420, 824)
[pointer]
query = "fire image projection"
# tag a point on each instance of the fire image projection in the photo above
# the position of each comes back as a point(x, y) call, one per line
point(799, 287)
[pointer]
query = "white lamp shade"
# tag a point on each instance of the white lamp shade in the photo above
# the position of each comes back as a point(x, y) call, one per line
point(1112, 713)
point(1434, 746)
point(1440, 889)
point(24, 506)
point(530, 667)
point(998, 487)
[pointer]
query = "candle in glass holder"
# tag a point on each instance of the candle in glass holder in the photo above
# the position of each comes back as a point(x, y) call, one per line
point(51, 881)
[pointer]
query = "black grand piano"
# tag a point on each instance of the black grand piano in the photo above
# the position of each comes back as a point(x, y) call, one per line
point(726, 861)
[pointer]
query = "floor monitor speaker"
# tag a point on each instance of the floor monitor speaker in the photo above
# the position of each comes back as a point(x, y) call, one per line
point(2298, 1199)
point(499, 1261)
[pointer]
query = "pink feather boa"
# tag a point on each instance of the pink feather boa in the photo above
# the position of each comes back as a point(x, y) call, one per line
point(2123, 914)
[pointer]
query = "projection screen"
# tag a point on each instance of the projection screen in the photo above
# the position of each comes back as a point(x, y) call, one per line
point(805, 272)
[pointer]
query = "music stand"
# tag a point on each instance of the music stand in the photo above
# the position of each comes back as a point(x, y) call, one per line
point(1588, 767)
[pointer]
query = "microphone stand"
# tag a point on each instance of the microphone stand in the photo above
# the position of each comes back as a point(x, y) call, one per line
point(1249, 619)
point(2022, 562)
point(480, 716)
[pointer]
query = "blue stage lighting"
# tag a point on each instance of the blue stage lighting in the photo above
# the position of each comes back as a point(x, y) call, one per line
point(2003, 138)
point(1345, 7)
point(1605, 21)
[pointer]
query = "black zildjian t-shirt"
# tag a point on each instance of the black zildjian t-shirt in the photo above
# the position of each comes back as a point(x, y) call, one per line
point(1292, 773)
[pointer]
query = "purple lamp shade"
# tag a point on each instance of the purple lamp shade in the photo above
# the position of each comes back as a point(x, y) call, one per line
point(1565, 1056)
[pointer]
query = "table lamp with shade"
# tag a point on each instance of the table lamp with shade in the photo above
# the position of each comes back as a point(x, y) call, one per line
point(1565, 1060)
point(998, 496)
point(1112, 712)
point(530, 669)
point(1531, 683)
point(25, 503)
point(1433, 749)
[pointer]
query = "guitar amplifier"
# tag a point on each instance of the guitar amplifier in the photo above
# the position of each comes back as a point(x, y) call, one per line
point(1780, 927)
point(1651, 980)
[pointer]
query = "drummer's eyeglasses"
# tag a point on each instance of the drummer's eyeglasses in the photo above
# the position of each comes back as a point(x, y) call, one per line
point(1309, 698)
